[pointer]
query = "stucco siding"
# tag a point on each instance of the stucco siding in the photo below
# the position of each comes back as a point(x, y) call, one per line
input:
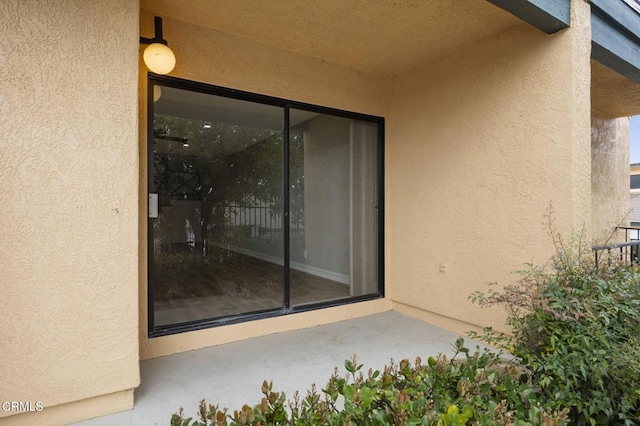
point(223, 59)
point(609, 176)
point(69, 178)
point(480, 143)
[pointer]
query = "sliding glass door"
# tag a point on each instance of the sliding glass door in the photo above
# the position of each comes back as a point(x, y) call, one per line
point(334, 206)
point(257, 206)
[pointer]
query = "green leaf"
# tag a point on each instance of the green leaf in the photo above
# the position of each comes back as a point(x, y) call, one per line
point(349, 392)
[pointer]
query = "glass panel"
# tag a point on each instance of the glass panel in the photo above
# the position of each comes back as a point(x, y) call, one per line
point(333, 205)
point(218, 242)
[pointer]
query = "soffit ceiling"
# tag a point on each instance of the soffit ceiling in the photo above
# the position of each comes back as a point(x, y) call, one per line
point(612, 94)
point(380, 36)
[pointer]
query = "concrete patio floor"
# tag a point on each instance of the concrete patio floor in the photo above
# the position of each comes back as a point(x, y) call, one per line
point(232, 374)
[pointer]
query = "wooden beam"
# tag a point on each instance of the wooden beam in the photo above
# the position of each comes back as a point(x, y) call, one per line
point(549, 16)
point(615, 37)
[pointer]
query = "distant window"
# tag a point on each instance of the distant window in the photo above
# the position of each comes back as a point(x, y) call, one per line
point(635, 181)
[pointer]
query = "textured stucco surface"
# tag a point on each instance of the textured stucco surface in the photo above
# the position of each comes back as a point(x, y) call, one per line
point(218, 58)
point(479, 143)
point(613, 95)
point(68, 414)
point(609, 175)
point(385, 37)
point(69, 164)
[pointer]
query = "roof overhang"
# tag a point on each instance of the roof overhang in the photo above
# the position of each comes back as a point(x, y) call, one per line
point(615, 34)
point(549, 16)
point(381, 37)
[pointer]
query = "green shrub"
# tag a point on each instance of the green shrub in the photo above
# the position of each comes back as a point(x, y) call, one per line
point(576, 329)
point(481, 388)
point(575, 343)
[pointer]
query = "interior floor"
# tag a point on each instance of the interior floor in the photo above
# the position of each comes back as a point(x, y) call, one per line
point(190, 287)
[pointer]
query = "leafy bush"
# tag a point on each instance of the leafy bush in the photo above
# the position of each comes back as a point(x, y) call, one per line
point(575, 343)
point(480, 389)
point(576, 329)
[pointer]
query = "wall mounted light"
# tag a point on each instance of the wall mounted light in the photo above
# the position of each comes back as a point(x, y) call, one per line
point(157, 55)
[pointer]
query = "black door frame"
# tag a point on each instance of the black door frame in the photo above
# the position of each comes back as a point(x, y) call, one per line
point(178, 83)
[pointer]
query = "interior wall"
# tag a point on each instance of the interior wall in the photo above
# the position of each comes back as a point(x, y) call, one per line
point(480, 143)
point(609, 176)
point(69, 235)
point(213, 57)
point(327, 193)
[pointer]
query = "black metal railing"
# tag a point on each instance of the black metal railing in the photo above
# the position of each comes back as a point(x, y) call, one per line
point(626, 252)
point(258, 214)
point(631, 233)
point(621, 252)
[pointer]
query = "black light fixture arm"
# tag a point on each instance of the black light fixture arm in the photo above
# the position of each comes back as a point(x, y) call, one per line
point(158, 33)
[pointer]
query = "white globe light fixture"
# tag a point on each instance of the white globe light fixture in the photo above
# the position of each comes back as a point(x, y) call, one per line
point(157, 56)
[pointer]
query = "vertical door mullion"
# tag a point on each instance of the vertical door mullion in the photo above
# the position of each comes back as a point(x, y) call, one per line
point(285, 207)
point(150, 189)
point(380, 212)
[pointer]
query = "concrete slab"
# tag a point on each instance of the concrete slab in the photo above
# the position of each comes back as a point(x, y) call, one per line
point(232, 374)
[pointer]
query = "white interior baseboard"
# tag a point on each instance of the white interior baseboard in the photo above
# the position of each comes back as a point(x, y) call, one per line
point(318, 272)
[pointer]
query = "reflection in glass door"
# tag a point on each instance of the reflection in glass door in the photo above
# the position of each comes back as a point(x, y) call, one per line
point(248, 220)
point(333, 207)
point(217, 240)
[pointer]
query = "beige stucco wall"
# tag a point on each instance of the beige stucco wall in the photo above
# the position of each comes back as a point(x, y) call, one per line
point(479, 143)
point(226, 60)
point(609, 176)
point(68, 235)
point(240, 63)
